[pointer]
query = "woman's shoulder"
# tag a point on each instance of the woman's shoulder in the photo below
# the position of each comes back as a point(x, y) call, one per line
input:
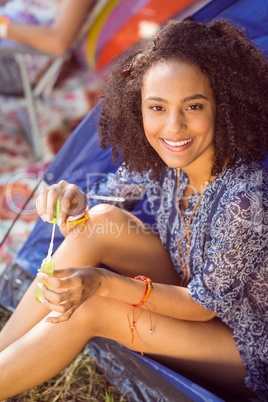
point(241, 189)
point(245, 176)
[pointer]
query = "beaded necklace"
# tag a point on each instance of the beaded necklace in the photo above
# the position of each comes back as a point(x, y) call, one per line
point(185, 265)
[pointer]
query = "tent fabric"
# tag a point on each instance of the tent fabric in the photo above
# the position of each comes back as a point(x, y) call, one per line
point(140, 378)
point(120, 25)
point(248, 14)
point(82, 162)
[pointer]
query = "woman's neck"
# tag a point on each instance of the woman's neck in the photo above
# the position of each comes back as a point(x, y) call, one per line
point(196, 185)
point(199, 171)
point(197, 179)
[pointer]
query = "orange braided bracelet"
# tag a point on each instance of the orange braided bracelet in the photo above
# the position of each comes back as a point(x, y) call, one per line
point(147, 290)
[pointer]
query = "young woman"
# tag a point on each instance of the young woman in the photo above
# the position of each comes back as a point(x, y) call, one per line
point(189, 115)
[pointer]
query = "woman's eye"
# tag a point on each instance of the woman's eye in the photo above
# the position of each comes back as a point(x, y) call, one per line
point(156, 108)
point(195, 107)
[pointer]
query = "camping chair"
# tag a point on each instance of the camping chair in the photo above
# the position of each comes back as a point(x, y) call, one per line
point(82, 162)
point(31, 92)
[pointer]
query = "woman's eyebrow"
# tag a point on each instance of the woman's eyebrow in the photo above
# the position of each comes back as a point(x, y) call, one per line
point(155, 98)
point(187, 99)
point(193, 97)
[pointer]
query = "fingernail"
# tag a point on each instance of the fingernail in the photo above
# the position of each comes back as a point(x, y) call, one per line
point(49, 217)
point(42, 299)
point(40, 285)
point(60, 221)
point(40, 275)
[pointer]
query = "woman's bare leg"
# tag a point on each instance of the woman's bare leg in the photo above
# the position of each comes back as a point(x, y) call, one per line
point(206, 350)
point(110, 237)
point(40, 349)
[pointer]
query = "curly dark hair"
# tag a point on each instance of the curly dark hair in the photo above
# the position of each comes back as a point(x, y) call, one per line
point(237, 70)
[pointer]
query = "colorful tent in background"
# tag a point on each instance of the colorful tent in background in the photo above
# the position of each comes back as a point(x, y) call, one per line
point(121, 23)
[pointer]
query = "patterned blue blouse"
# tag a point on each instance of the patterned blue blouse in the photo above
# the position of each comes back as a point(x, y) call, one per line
point(228, 253)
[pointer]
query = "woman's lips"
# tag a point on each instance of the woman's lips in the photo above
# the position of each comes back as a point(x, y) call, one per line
point(177, 145)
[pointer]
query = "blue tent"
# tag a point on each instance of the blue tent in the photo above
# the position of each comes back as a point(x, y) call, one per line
point(144, 378)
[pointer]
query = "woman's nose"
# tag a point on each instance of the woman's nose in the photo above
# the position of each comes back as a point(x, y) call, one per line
point(176, 123)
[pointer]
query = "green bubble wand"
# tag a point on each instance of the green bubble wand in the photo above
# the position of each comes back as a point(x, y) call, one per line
point(48, 264)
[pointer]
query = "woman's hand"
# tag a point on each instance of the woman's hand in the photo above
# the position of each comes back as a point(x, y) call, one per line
point(72, 200)
point(70, 287)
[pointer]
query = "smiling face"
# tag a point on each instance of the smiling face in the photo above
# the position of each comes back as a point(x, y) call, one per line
point(178, 110)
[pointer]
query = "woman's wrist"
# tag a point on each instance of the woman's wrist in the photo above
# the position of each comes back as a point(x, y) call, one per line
point(4, 24)
point(120, 287)
point(105, 278)
point(80, 217)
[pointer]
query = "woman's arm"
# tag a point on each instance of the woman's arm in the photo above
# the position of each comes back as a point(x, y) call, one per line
point(58, 37)
point(70, 287)
point(125, 185)
point(172, 301)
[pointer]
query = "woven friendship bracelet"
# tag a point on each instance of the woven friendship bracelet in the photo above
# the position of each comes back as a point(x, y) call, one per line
point(82, 218)
point(80, 214)
point(147, 288)
point(132, 325)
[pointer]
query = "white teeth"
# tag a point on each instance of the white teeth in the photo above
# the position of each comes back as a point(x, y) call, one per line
point(177, 143)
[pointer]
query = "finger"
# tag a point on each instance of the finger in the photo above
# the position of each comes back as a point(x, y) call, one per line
point(59, 308)
point(64, 272)
point(73, 279)
point(41, 203)
point(60, 318)
point(69, 202)
point(49, 280)
point(51, 202)
point(69, 199)
point(60, 298)
point(78, 199)
point(60, 280)
point(74, 200)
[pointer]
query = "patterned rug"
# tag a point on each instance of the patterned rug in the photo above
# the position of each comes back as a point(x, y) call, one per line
point(76, 92)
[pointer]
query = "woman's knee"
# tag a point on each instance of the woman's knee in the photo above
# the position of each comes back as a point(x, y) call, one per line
point(111, 220)
point(103, 220)
point(96, 225)
point(100, 235)
point(118, 239)
point(106, 224)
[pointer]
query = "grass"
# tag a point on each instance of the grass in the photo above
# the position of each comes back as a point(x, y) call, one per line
point(80, 381)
